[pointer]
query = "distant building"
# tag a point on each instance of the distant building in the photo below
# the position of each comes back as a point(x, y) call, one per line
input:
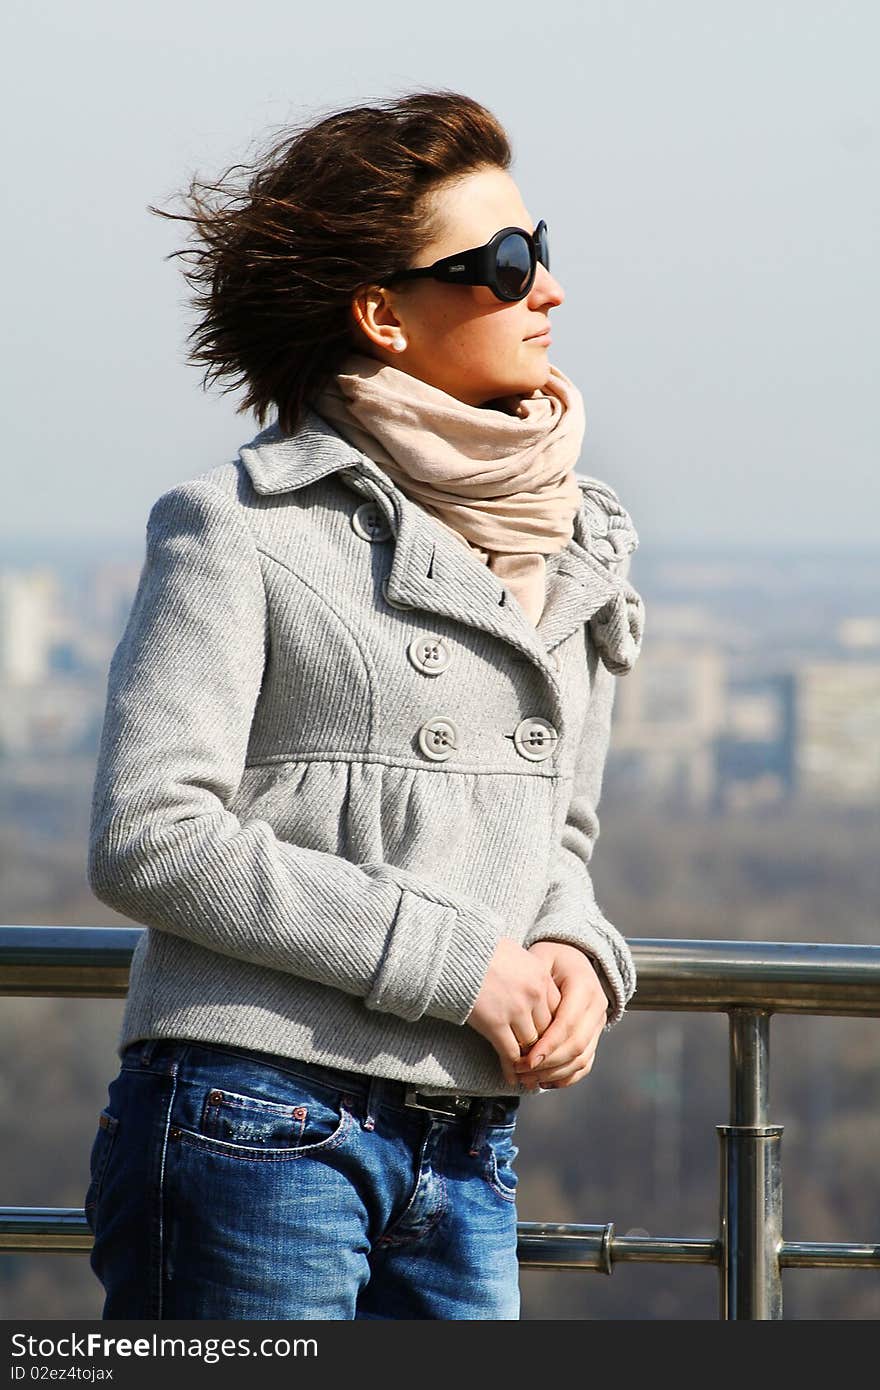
point(859, 634)
point(755, 753)
point(669, 710)
point(27, 601)
point(837, 749)
point(697, 728)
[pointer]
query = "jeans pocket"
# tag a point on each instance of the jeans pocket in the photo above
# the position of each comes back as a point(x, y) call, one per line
point(499, 1157)
point(105, 1138)
point(242, 1124)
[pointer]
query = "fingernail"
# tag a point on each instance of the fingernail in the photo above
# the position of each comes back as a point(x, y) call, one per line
point(538, 1060)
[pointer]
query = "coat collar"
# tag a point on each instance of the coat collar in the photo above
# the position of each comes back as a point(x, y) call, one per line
point(283, 463)
point(433, 571)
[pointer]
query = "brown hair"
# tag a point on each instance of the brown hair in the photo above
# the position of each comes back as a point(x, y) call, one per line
point(329, 209)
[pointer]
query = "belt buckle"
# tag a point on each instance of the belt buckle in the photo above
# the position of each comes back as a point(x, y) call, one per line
point(460, 1104)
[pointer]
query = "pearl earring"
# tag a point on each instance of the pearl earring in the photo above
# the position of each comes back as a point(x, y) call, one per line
point(399, 344)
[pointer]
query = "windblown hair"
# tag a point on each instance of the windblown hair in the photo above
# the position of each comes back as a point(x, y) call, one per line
point(333, 207)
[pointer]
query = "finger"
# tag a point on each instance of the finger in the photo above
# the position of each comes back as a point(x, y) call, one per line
point(528, 1028)
point(579, 1065)
point(581, 1015)
point(580, 1046)
point(526, 1032)
point(510, 1065)
point(509, 1052)
point(553, 1065)
point(572, 1026)
point(580, 1043)
point(540, 1021)
point(569, 1081)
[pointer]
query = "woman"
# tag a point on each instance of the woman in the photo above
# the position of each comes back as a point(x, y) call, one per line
point(353, 745)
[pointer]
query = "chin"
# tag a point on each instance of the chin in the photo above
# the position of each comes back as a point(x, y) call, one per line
point(522, 380)
point(531, 378)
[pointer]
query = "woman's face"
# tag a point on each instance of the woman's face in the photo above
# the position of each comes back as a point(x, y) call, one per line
point(460, 338)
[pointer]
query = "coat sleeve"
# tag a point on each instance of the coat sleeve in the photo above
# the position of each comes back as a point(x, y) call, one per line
point(570, 912)
point(164, 847)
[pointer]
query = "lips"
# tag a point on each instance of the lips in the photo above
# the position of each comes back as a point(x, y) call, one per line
point(542, 333)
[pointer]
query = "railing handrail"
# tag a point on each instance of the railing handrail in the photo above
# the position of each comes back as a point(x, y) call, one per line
point(748, 980)
point(691, 975)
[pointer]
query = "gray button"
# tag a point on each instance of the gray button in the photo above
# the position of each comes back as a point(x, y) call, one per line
point(369, 523)
point(438, 739)
point(430, 655)
point(535, 739)
point(393, 602)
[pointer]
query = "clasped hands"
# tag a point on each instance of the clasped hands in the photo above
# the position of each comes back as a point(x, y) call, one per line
point(543, 1010)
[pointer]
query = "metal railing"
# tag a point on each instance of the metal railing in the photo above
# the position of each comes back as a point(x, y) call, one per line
point(747, 980)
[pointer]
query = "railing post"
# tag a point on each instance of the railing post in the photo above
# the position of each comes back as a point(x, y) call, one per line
point(751, 1178)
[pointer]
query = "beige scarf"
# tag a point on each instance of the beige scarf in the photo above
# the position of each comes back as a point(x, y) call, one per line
point(501, 478)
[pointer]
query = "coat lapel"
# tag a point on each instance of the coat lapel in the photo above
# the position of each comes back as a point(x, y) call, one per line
point(432, 570)
point(591, 586)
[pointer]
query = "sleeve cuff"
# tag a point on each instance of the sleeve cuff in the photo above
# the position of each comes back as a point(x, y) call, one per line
point(435, 962)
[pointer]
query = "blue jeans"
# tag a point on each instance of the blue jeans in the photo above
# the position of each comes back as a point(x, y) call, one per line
point(226, 1183)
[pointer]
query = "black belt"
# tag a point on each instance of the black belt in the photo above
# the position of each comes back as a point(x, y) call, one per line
point(458, 1106)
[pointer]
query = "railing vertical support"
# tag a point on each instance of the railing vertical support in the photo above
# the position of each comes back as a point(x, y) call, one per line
point(751, 1177)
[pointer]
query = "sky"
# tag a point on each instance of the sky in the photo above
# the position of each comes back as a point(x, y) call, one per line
point(708, 171)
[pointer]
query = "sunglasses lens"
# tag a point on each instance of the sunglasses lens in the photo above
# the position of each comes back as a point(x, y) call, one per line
point(542, 245)
point(513, 266)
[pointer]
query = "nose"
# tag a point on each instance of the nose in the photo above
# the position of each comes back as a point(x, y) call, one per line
point(546, 289)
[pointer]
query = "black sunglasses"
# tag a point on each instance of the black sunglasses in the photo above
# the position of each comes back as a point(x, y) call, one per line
point(507, 263)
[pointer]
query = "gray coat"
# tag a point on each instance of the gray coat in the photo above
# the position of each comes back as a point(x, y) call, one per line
point(338, 762)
